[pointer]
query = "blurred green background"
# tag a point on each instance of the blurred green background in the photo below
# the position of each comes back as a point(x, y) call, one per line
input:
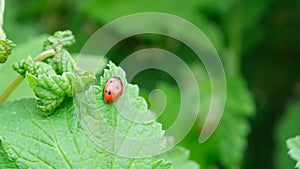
point(258, 42)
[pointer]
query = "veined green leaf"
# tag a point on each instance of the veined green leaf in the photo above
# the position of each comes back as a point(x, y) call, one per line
point(50, 87)
point(5, 163)
point(56, 141)
point(116, 127)
point(61, 62)
point(63, 38)
point(59, 141)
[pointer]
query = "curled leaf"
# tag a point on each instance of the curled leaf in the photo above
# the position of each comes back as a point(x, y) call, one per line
point(63, 38)
point(29, 66)
point(50, 80)
point(61, 62)
point(50, 88)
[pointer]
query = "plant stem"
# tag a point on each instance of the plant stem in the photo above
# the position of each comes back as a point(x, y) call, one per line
point(11, 88)
point(45, 55)
point(20, 78)
point(235, 39)
point(2, 5)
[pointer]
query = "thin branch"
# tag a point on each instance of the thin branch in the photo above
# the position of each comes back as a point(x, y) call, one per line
point(235, 38)
point(45, 55)
point(11, 88)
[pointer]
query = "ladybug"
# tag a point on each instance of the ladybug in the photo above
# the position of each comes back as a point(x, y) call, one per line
point(113, 89)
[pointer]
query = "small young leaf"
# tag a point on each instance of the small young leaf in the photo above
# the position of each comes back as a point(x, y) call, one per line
point(50, 88)
point(294, 146)
point(63, 38)
point(7, 74)
point(6, 47)
point(28, 66)
point(50, 80)
point(61, 62)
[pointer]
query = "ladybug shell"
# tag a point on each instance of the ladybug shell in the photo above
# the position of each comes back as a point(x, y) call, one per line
point(113, 90)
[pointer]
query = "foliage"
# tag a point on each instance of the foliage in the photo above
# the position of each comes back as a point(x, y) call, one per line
point(228, 143)
point(50, 82)
point(6, 47)
point(102, 117)
point(294, 146)
point(58, 140)
point(284, 131)
point(4, 160)
point(7, 74)
point(268, 58)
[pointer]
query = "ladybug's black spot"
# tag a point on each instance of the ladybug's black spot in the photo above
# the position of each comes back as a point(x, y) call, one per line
point(110, 81)
point(107, 92)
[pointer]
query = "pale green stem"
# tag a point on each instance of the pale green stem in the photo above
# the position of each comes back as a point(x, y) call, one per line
point(20, 78)
point(2, 33)
point(235, 39)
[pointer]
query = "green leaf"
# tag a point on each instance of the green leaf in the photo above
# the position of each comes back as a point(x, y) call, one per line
point(231, 134)
point(62, 62)
point(294, 146)
point(4, 160)
point(288, 126)
point(58, 141)
point(7, 74)
point(51, 82)
point(29, 66)
point(107, 124)
point(6, 47)
point(52, 142)
point(63, 38)
point(50, 88)
point(234, 126)
point(227, 145)
point(179, 157)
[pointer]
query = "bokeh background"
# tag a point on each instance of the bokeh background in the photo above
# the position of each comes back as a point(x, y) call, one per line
point(258, 42)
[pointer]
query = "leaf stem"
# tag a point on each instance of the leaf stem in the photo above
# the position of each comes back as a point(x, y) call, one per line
point(45, 55)
point(11, 88)
point(235, 38)
point(20, 78)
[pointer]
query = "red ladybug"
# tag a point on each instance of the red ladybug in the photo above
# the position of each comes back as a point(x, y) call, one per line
point(113, 90)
